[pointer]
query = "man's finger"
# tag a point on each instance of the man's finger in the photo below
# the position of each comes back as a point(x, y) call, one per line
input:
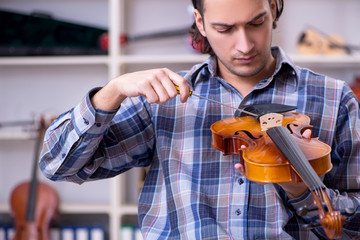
point(181, 86)
point(307, 133)
point(240, 168)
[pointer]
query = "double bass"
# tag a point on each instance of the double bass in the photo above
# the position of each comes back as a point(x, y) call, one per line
point(33, 203)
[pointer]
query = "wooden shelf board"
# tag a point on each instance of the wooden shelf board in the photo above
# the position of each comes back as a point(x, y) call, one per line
point(54, 60)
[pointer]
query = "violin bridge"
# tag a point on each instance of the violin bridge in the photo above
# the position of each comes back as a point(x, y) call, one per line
point(270, 120)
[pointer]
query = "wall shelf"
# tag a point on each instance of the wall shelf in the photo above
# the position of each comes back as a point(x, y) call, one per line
point(73, 208)
point(17, 135)
point(328, 61)
point(54, 60)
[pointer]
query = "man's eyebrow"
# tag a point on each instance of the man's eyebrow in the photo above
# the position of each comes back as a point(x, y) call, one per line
point(222, 24)
point(257, 17)
point(231, 25)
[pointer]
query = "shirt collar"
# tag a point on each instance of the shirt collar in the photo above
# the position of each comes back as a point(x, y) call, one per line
point(283, 62)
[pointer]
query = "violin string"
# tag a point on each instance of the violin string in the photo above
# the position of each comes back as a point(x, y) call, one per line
point(191, 93)
point(225, 105)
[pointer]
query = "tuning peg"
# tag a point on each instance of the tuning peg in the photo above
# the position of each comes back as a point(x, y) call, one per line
point(304, 210)
point(312, 225)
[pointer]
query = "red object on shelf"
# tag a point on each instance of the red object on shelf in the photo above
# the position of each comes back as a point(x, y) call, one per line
point(125, 38)
point(104, 41)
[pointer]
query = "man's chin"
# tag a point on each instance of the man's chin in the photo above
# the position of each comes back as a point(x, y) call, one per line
point(245, 72)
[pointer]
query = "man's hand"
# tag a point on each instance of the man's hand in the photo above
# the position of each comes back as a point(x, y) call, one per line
point(156, 85)
point(293, 190)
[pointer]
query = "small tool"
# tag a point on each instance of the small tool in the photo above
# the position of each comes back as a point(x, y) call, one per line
point(225, 105)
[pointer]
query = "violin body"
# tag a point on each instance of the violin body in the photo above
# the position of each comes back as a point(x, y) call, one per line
point(273, 150)
point(262, 160)
point(313, 42)
point(36, 228)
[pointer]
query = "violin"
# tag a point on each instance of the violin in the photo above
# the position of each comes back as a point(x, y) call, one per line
point(313, 41)
point(356, 87)
point(272, 150)
point(276, 152)
point(34, 204)
point(262, 160)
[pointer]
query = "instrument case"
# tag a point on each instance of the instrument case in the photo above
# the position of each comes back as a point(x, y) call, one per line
point(41, 35)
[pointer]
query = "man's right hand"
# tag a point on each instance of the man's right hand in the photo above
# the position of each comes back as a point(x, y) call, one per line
point(156, 85)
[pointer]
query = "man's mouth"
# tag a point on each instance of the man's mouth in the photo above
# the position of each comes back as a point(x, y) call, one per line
point(245, 60)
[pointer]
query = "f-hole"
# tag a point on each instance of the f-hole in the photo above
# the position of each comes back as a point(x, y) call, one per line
point(247, 134)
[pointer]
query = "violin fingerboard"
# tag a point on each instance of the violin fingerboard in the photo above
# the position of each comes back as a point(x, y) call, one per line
point(287, 145)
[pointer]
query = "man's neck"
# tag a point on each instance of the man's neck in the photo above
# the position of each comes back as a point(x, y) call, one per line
point(245, 84)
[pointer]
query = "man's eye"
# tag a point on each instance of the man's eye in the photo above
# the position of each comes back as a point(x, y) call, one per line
point(258, 22)
point(223, 30)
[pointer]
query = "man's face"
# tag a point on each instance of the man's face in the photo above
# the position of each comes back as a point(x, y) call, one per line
point(239, 32)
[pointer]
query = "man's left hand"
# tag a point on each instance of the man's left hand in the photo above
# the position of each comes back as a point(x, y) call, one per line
point(293, 190)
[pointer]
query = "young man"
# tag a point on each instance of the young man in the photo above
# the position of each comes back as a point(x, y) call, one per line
point(193, 191)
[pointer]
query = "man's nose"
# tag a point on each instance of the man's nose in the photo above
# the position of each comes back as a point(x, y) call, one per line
point(244, 44)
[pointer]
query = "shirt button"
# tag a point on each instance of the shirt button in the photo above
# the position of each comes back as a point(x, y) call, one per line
point(238, 212)
point(86, 121)
point(240, 181)
point(98, 124)
point(63, 155)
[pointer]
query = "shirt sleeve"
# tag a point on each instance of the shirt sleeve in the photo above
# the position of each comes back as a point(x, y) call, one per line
point(343, 182)
point(86, 144)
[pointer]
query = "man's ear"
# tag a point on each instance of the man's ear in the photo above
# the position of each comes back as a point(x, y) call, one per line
point(199, 22)
point(273, 6)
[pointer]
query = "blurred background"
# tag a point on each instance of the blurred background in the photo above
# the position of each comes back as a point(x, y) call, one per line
point(53, 52)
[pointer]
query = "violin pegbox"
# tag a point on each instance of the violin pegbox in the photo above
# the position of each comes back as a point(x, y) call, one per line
point(270, 120)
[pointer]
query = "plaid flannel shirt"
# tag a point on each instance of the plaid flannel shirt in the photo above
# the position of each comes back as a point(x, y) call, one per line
point(193, 191)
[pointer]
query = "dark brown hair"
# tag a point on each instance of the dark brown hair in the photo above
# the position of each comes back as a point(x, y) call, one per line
point(200, 43)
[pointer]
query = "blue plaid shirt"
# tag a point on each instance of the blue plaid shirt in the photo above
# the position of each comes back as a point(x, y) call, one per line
point(193, 191)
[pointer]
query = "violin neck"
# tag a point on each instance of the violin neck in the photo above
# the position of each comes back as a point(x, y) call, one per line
point(31, 203)
point(287, 145)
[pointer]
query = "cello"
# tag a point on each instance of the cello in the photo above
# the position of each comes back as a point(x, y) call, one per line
point(272, 150)
point(34, 204)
